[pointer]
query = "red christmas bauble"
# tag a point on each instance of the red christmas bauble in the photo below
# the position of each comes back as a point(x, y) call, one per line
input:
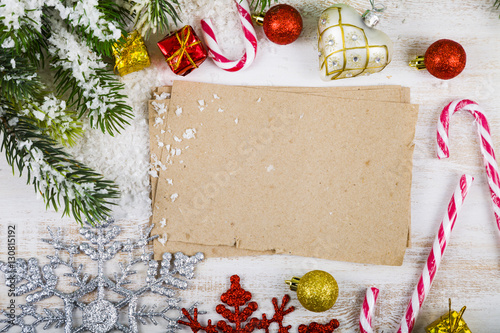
point(282, 24)
point(445, 59)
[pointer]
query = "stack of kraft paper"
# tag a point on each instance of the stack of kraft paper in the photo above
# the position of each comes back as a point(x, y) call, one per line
point(316, 172)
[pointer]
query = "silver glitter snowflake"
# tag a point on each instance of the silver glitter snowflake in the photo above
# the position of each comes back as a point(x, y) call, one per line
point(100, 315)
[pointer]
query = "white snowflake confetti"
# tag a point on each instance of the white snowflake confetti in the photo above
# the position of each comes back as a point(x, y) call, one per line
point(189, 133)
point(160, 108)
point(163, 239)
point(158, 121)
point(162, 96)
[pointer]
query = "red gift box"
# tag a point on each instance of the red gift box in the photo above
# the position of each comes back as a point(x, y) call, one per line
point(183, 50)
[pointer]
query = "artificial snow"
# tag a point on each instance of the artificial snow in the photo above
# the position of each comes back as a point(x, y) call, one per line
point(189, 133)
point(163, 239)
point(8, 43)
point(162, 96)
point(160, 108)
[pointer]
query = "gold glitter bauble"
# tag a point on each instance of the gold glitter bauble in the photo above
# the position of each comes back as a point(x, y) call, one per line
point(317, 291)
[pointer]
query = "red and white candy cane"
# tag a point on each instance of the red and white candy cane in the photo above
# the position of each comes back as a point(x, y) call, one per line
point(365, 318)
point(437, 252)
point(215, 51)
point(486, 145)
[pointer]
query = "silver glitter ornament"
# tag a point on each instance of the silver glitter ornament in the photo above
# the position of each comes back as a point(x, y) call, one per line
point(100, 315)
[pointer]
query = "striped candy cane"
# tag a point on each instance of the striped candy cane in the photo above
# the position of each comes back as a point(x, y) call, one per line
point(365, 318)
point(215, 51)
point(486, 145)
point(437, 252)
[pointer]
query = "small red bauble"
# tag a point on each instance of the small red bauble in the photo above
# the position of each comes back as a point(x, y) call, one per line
point(282, 24)
point(445, 59)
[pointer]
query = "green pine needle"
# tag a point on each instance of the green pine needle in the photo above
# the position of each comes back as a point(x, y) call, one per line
point(28, 41)
point(111, 12)
point(111, 121)
point(18, 77)
point(61, 181)
point(261, 5)
point(154, 16)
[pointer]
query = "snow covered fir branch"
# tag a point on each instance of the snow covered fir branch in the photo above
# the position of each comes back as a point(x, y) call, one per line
point(40, 113)
point(61, 181)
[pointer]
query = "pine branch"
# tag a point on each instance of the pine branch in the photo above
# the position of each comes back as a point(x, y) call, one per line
point(102, 40)
point(21, 85)
point(497, 5)
point(153, 16)
point(260, 5)
point(54, 119)
point(61, 181)
point(18, 77)
point(24, 35)
point(93, 90)
point(107, 111)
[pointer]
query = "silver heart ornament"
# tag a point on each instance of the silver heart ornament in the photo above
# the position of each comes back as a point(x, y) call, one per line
point(348, 47)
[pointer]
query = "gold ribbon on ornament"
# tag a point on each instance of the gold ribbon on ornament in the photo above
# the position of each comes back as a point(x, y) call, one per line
point(183, 40)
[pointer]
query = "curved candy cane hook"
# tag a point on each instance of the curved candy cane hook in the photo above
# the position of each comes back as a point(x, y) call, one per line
point(215, 51)
point(431, 267)
point(483, 130)
point(367, 310)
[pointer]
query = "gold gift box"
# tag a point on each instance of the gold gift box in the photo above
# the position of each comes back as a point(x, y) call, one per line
point(131, 56)
point(447, 323)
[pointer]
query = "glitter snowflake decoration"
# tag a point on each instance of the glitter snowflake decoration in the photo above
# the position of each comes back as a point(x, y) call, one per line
point(100, 315)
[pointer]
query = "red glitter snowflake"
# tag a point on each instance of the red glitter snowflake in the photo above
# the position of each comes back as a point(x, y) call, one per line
point(314, 327)
point(237, 297)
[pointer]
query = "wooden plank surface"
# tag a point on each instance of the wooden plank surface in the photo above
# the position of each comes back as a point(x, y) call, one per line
point(469, 273)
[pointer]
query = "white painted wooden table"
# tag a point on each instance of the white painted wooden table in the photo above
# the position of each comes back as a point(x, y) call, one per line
point(469, 273)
